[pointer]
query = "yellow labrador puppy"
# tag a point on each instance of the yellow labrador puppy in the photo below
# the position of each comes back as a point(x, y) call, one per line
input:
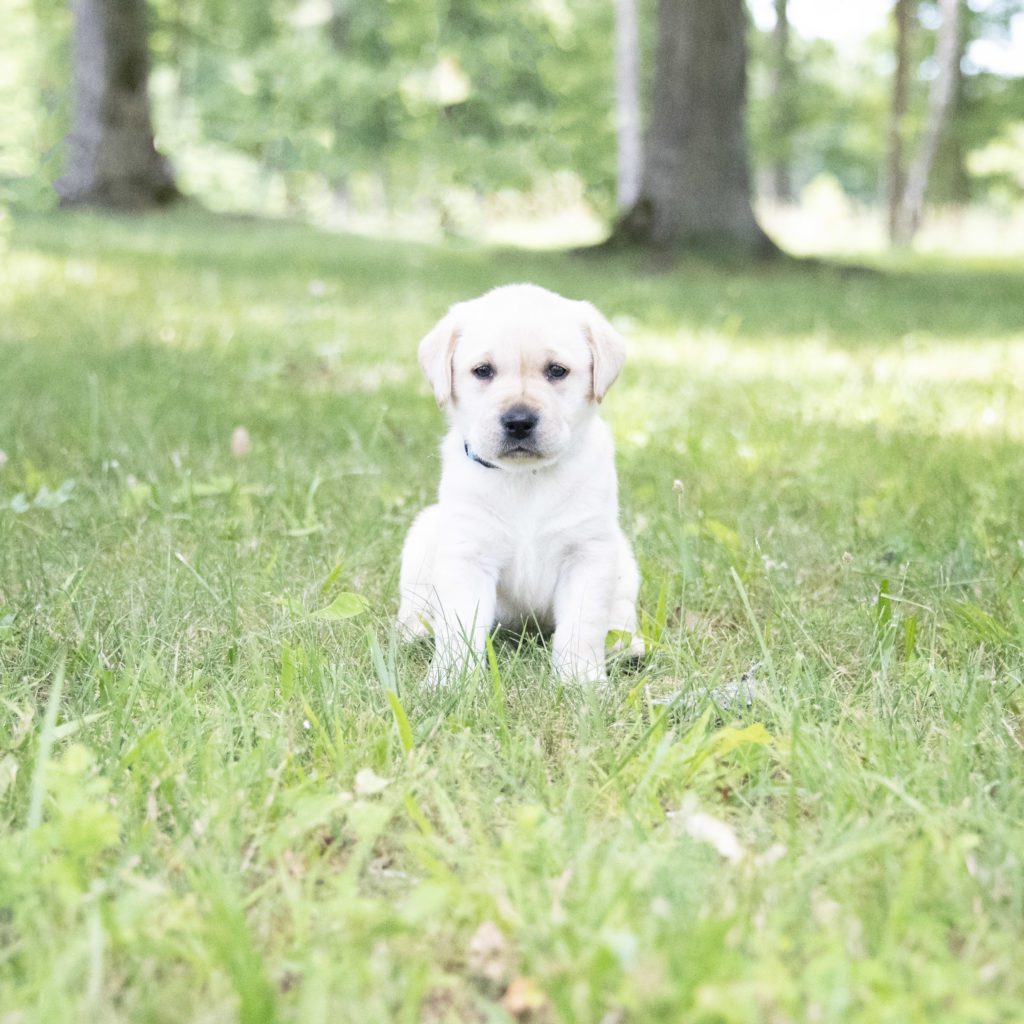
point(526, 526)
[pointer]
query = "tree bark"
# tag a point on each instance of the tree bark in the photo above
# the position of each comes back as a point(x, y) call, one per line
point(903, 14)
point(952, 151)
point(696, 182)
point(112, 160)
point(627, 104)
point(940, 101)
point(783, 97)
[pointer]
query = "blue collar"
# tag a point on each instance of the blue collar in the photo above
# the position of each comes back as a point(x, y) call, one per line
point(472, 456)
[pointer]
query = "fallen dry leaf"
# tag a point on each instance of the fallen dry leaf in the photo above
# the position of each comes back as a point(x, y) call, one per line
point(522, 997)
point(293, 863)
point(241, 442)
point(488, 955)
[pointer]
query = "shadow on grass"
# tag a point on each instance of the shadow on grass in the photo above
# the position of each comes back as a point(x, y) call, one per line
point(774, 299)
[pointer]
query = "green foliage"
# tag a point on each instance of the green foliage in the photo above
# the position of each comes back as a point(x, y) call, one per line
point(401, 104)
point(230, 808)
point(842, 103)
point(414, 96)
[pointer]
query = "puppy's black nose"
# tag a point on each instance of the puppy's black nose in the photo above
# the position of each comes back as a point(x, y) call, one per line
point(519, 421)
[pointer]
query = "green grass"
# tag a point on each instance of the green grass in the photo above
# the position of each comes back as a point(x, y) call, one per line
point(216, 805)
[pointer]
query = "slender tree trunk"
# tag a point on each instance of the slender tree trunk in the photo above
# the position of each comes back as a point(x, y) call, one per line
point(952, 152)
point(112, 160)
point(627, 104)
point(903, 14)
point(782, 91)
point(696, 182)
point(940, 101)
point(338, 27)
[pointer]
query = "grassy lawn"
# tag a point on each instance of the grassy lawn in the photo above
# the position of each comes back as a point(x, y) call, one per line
point(217, 804)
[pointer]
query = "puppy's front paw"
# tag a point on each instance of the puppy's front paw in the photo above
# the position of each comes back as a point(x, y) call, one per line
point(447, 667)
point(580, 670)
point(438, 676)
point(413, 627)
point(632, 652)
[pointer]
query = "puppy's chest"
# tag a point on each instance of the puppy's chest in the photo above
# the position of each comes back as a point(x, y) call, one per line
point(527, 577)
point(534, 549)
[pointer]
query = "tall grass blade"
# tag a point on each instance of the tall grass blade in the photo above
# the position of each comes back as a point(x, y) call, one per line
point(401, 721)
point(37, 790)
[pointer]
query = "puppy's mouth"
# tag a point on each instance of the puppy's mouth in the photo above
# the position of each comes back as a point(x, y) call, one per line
point(521, 451)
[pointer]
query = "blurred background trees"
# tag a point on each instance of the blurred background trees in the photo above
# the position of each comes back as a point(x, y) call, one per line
point(454, 115)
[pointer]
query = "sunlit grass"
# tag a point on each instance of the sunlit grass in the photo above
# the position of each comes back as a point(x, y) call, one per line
point(827, 222)
point(253, 811)
point(933, 386)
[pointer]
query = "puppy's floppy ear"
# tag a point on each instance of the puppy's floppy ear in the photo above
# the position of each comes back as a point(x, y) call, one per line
point(435, 353)
point(607, 349)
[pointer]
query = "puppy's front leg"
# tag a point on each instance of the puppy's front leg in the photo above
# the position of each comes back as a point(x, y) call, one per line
point(465, 599)
point(582, 607)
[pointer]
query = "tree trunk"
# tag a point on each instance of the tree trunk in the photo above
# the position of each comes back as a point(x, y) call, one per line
point(903, 13)
point(696, 182)
point(939, 103)
point(783, 97)
point(952, 151)
point(338, 27)
point(627, 104)
point(112, 160)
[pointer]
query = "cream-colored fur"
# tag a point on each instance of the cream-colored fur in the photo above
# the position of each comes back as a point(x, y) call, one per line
point(537, 537)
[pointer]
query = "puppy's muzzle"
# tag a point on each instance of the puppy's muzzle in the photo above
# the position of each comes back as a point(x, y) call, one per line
point(519, 422)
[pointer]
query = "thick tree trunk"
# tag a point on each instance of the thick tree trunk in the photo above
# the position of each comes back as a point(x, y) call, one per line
point(903, 13)
point(696, 182)
point(940, 101)
point(112, 160)
point(783, 97)
point(627, 104)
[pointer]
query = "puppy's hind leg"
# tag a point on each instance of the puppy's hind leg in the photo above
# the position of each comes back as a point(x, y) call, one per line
point(623, 610)
point(416, 587)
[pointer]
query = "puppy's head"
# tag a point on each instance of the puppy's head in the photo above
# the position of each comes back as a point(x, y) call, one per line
point(519, 371)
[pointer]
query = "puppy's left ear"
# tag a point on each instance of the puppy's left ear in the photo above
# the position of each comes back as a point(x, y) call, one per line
point(435, 354)
point(607, 349)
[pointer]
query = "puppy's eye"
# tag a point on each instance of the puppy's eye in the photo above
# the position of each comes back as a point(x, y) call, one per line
point(483, 372)
point(556, 371)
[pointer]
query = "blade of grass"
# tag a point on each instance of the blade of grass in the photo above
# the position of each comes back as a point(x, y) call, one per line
point(37, 788)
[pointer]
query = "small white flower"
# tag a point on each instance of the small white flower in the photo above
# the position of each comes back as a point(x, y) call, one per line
point(771, 856)
point(715, 833)
point(3, 458)
point(368, 782)
point(660, 907)
point(705, 829)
